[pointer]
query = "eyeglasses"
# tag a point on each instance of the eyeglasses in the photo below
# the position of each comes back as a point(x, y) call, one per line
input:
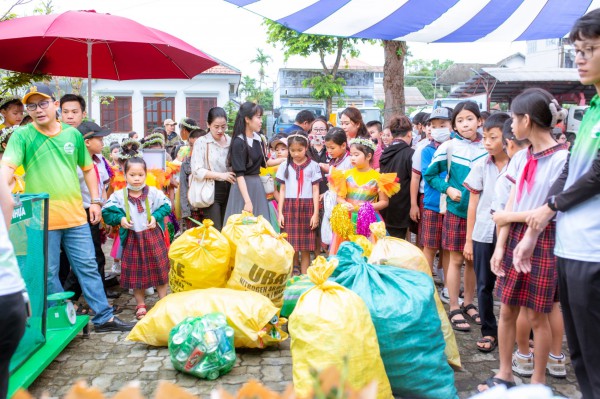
point(587, 52)
point(42, 104)
point(319, 130)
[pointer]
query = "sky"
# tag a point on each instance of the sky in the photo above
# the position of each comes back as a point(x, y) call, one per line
point(233, 35)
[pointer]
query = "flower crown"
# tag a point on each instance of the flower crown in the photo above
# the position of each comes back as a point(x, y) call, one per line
point(188, 126)
point(366, 142)
point(5, 135)
point(155, 138)
point(129, 149)
point(9, 99)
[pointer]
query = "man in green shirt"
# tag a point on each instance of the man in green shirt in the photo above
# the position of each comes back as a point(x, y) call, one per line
point(50, 152)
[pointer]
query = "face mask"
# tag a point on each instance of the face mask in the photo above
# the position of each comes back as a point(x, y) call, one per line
point(135, 188)
point(441, 134)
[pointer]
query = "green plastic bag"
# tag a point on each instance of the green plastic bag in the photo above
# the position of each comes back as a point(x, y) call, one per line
point(203, 346)
point(294, 287)
point(406, 321)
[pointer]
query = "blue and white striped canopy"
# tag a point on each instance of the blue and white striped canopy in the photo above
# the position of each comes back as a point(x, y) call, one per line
point(426, 20)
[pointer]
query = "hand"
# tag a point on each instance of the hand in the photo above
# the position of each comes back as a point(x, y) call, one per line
point(454, 194)
point(415, 214)
point(468, 250)
point(125, 224)
point(152, 223)
point(227, 176)
point(321, 197)
point(95, 213)
point(314, 221)
point(501, 218)
point(248, 207)
point(349, 206)
point(496, 262)
point(539, 218)
point(524, 251)
point(281, 221)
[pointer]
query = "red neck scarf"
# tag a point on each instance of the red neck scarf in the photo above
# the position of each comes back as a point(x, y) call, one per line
point(299, 169)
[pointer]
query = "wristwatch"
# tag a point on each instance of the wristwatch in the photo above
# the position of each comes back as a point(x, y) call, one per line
point(98, 201)
point(552, 203)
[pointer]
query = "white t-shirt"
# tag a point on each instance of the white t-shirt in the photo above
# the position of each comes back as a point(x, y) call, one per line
point(503, 186)
point(416, 162)
point(482, 180)
point(312, 175)
point(10, 276)
point(550, 164)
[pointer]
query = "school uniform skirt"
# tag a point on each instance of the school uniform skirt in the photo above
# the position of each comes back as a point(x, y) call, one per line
point(256, 191)
point(537, 290)
point(431, 226)
point(297, 214)
point(145, 260)
point(454, 234)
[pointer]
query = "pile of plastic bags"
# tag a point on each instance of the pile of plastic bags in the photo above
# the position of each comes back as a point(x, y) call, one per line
point(252, 316)
point(203, 346)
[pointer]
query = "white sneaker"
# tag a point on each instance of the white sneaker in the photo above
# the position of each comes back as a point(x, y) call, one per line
point(446, 298)
point(556, 367)
point(522, 365)
point(149, 291)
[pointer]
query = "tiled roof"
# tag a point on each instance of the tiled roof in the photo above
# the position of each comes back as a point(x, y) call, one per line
point(221, 70)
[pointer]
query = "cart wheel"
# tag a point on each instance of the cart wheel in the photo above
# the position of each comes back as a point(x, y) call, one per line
point(213, 375)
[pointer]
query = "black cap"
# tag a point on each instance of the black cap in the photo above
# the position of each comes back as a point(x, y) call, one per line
point(90, 129)
point(38, 88)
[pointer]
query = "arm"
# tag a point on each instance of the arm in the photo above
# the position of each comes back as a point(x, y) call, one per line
point(415, 181)
point(314, 220)
point(280, 203)
point(6, 200)
point(162, 212)
point(383, 202)
point(275, 162)
point(112, 215)
point(432, 175)
point(471, 216)
point(92, 184)
point(8, 173)
point(241, 181)
point(198, 161)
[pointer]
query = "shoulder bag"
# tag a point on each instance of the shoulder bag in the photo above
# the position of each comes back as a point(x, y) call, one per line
point(201, 193)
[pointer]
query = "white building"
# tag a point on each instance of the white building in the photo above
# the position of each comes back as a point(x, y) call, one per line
point(141, 105)
point(550, 53)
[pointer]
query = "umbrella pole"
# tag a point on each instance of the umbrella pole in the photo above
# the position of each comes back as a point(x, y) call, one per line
point(89, 79)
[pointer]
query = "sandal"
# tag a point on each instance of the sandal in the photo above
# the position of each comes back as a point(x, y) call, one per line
point(296, 271)
point(495, 381)
point(140, 311)
point(492, 341)
point(456, 322)
point(82, 310)
point(473, 317)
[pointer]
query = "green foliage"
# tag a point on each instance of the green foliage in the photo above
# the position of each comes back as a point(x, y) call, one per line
point(325, 86)
point(380, 104)
point(231, 109)
point(264, 97)
point(422, 74)
point(261, 59)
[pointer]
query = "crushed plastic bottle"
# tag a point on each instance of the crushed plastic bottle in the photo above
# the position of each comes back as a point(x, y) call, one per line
point(203, 346)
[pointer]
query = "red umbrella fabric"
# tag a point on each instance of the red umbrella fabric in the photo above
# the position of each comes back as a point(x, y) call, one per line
point(122, 49)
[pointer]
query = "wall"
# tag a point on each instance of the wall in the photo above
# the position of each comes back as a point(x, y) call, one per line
point(217, 86)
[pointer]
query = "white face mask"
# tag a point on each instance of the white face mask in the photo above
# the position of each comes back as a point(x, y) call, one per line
point(440, 134)
point(135, 188)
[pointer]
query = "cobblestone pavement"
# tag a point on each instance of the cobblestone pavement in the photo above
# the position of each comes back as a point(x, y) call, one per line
point(108, 362)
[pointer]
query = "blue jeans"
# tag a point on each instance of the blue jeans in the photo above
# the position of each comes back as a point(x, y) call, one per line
point(77, 243)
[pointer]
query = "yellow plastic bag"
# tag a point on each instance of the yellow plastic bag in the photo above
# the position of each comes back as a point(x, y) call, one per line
point(331, 326)
point(199, 259)
point(240, 225)
point(251, 315)
point(400, 253)
point(263, 264)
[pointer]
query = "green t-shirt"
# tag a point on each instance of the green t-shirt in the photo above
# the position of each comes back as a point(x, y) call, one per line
point(50, 164)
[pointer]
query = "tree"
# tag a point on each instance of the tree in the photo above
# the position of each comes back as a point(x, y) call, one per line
point(248, 87)
point(393, 78)
point(423, 74)
point(261, 59)
point(296, 43)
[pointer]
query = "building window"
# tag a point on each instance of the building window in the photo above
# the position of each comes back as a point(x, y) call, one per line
point(156, 110)
point(116, 113)
point(197, 108)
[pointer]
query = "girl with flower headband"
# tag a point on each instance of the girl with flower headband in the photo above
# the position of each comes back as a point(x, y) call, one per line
point(298, 209)
point(360, 185)
point(11, 109)
point(535, 113)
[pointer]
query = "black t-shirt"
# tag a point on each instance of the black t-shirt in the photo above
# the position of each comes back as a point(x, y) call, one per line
point(246, 160)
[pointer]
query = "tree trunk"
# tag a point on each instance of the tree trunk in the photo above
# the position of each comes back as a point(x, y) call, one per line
point(393, 78)
point(328, 107)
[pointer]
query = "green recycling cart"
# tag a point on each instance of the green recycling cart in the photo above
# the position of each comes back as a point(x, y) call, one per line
point(49, 330)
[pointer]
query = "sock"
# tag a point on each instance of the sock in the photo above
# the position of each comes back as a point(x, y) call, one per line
point(561, 357)
point(528, 356)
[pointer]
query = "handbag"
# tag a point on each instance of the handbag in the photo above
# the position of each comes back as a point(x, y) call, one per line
point(201, 193)
point(444, 196)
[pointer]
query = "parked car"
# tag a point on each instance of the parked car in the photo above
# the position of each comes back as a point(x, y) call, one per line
point(285, 116)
